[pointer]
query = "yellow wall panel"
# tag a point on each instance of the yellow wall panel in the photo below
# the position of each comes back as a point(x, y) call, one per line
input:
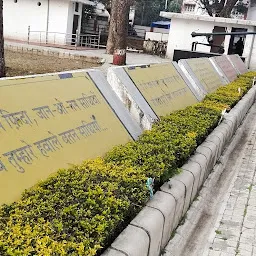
point(162, 87)
point(47, 123)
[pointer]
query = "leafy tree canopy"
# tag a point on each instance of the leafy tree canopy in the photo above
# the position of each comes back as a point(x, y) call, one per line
point(148, 11)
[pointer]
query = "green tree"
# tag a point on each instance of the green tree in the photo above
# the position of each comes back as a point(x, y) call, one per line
point(174, 6)
point(148, 11)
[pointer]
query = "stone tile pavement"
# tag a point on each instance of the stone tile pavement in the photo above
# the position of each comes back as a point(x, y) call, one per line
point(235, 231)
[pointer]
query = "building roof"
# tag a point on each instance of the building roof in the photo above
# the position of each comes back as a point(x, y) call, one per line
point(162, 23)
point(171, 15)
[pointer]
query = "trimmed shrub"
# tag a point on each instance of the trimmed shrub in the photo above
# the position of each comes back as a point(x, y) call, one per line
point(162, 150)
point(232, 93)
point(80, 210)
point(250, 74)
point(74, 212)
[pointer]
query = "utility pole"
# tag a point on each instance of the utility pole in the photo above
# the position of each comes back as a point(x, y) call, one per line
point(142, 14)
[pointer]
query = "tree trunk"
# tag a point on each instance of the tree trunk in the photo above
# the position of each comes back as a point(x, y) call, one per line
point(118, 29)
point(112, 28)
point(2, 61)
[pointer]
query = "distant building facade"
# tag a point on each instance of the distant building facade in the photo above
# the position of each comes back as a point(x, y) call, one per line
point(51, 18)
point(183, 25)
point(194, 7)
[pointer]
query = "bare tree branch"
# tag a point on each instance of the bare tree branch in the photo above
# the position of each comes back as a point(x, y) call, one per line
point(226, 11)
point(221, 8)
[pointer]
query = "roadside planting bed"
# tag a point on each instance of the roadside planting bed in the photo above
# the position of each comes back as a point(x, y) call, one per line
point(81, 210)
point(29, 63)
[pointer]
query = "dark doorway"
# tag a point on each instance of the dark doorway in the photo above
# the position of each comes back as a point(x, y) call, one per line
point(234, 42)
point(218, 40)
point(75, 27)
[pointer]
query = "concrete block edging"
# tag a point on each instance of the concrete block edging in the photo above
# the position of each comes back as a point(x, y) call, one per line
point(162, 215)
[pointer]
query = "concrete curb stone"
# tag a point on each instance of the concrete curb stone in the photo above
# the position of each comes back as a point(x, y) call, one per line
point(222, 129)
point(213, 138)
point(114, 252)
point(166, 204)
point(221, 139)
point(187, 178)
point(231, 122)
point(230, 133)
point(132, 241)
point(214, 150)
point(154, 229)
point(195, 183)
point(178, 191)
point(209, 150)
point(195, 169)
point(203, 162)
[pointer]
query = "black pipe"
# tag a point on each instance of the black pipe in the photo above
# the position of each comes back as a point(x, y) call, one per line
point(194, 34)
point(213, 45)
point(194, 45)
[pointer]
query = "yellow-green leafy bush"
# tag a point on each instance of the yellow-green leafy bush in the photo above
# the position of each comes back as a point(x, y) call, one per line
point(75, 212)
point(232, 93)
point(80, 210)
point(160, 151)
point(250, 74)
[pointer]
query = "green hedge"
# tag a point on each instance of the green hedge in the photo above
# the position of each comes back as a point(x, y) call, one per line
point(79, 211)
point(75, 212)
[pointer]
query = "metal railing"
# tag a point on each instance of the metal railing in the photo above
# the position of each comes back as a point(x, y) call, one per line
point(88, 40)
point(65, 39)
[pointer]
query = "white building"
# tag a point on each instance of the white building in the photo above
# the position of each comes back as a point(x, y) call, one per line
point(196, 8)
point(182, 25)
point(252, 11)
point(192, 7)
point(56, 19)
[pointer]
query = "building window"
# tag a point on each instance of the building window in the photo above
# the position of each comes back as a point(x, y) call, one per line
point(76, 7)
point(189, 7)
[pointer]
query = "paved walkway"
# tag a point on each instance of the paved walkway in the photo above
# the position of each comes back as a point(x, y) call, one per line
point(235, 230)
point(226, 224)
